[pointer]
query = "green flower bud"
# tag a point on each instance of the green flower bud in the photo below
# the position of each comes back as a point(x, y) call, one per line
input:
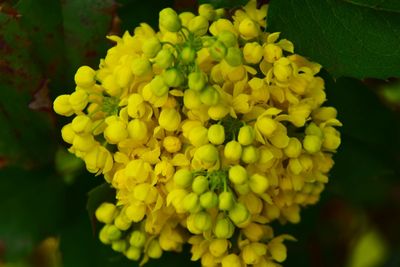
point(154, 250)
point(173, 77)
point(133, 253)
point(140, 66)
point(183, 178)
point(228, 38)
point(233, 150)
point(207, 153)
point(312, 143)
point(238, 214)
point(208, 200)
point(246, 135)
point(216, 134)
point(191, 202)
point(207, 11)
point(191, 99)
point(224, 228)
point(137, 239)
point(198, 25)
point(258, 183)
point(200, 185)
point(202, 221)
point(250, 154)
point(106, 213)
point(197, 80)
point(226, 201)
point(188, 55)
point(113, 232)
point(293, 150)
point(119, 245)
point(158, 86)
point(218, 50)
point(234, 56)
point(237, 174)
point(209, 96)
point(151, 47)
point(313, 129)
point(169, 20)
point(164, 58)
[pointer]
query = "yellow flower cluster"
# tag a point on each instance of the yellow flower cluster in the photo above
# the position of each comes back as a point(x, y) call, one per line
point(208, 130)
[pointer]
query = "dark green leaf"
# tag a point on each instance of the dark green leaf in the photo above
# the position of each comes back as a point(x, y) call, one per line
point(347, 39)
point(225, 3)
point(387, 5)
point(31, 209)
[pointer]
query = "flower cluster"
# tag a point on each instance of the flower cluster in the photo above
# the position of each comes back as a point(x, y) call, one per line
point(209, 129)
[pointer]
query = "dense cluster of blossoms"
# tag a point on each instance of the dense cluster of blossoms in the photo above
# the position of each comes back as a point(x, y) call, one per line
point(208, 130)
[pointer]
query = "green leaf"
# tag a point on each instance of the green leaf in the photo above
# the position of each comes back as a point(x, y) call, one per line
point(347, 39)
point(134, 12)
point(224, 3)
point(31, 208)
point(386, 5)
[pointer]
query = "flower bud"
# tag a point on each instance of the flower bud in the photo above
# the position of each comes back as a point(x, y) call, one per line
point(202, 221)
point(234, 56)
point(113, 232)
point(154, 250)
point(164, 59)
point(188, 55)
point(122, 222)
point(198, 136)
point(248, 29)
point(62, 106)
point(84, 142)
point(218, 247)
point(81, 123)
point(173, 77)
point(169, 119)
point(68, 134)
point(169, 20)
point(140, 66)
point(78, 100)
point(115, 132)
point(232, 260)
point(106, 212)
point(228, 38)
point(216, 134)
point(331, 138)
point(158, 86)
point(253, 52)
point(258, 183)
point(119, 245)
point(191, 202)
point(133, 253)
point(266, 126)
point(200, 185)
point(198, 25)
point(237, 174)
point(183, 178)
point(172, 144)
point(282, 70)
point(208, 200)
point(218, 51)
point(151, 47)
point(191, 99)
point(137, 239)
point(209, 96)
point(293, 150)
point(272, 53)
point(197, 80)
point(278, 251)
point(239, 214)
point(225, 200)
point(207, 11)
point(85, 77)
point(250, 154)
point(137, 130)
point(233, 150)
point(224, 228)
point(246, 135)
point(312, 143)
point(207, 153)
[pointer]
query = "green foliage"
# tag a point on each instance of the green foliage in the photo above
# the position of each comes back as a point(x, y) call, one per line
point(224, 3)
point(347, 39)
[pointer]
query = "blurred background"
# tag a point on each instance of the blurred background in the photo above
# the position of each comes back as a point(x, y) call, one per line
point(44, 190)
